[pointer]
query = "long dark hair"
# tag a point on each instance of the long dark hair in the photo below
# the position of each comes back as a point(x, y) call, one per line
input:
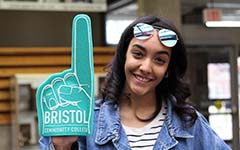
point(173, 85)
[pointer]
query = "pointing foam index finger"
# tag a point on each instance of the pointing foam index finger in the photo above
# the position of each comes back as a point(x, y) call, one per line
point(82, 48)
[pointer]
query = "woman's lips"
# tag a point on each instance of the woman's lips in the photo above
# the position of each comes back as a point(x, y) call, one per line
point(142, 78)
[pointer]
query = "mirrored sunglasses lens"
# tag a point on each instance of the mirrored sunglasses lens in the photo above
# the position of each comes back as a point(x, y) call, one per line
point(168, 37)
point(143, 31)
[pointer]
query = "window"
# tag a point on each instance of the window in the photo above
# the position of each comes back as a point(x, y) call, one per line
point(114, 29)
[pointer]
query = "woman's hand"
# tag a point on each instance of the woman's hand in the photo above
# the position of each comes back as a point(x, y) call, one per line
point(63, 142)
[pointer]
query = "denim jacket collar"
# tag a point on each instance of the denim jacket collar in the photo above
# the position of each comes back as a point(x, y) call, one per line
point(108, 123)
point(109, 128)
point(173, 128)
point(174, 123)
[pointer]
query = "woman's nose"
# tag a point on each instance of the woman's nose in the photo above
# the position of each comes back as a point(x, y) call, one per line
point(146, 66)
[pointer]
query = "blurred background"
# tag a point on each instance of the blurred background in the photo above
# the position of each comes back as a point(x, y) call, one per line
point(35, 41)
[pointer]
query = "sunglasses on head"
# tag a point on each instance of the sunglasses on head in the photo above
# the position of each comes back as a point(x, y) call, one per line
point(143, 31)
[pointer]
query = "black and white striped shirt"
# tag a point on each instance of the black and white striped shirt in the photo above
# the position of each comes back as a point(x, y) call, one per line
point(145, 137)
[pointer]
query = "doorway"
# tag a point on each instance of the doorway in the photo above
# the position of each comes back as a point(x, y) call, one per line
point(213, 76)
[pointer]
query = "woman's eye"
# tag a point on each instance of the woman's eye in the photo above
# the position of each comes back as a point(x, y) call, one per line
point(137, 54)
point(160, 60)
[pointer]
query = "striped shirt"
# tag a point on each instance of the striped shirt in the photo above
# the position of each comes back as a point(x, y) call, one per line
point(145, 137)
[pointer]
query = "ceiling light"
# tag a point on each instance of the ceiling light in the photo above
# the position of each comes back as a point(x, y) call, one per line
point(222, 23)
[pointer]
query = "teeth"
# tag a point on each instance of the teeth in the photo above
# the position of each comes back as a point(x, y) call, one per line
point(142, 78)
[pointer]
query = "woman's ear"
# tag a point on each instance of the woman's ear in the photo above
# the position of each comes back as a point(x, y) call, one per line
point(166, 74)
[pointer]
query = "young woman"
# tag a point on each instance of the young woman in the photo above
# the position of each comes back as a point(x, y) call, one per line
point(143, 105)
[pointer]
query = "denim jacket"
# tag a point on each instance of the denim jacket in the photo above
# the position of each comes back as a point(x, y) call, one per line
point(108, 133)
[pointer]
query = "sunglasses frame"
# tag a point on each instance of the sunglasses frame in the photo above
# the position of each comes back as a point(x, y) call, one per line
point(167, 37)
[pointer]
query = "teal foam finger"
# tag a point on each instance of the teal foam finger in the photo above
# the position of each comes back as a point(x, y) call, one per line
point(65, 100)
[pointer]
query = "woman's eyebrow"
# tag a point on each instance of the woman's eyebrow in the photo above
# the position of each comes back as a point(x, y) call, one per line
point(160, 52)
point(163, 52)
point(140, 47)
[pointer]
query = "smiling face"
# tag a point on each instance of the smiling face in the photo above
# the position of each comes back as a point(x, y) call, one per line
point(146, 64)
